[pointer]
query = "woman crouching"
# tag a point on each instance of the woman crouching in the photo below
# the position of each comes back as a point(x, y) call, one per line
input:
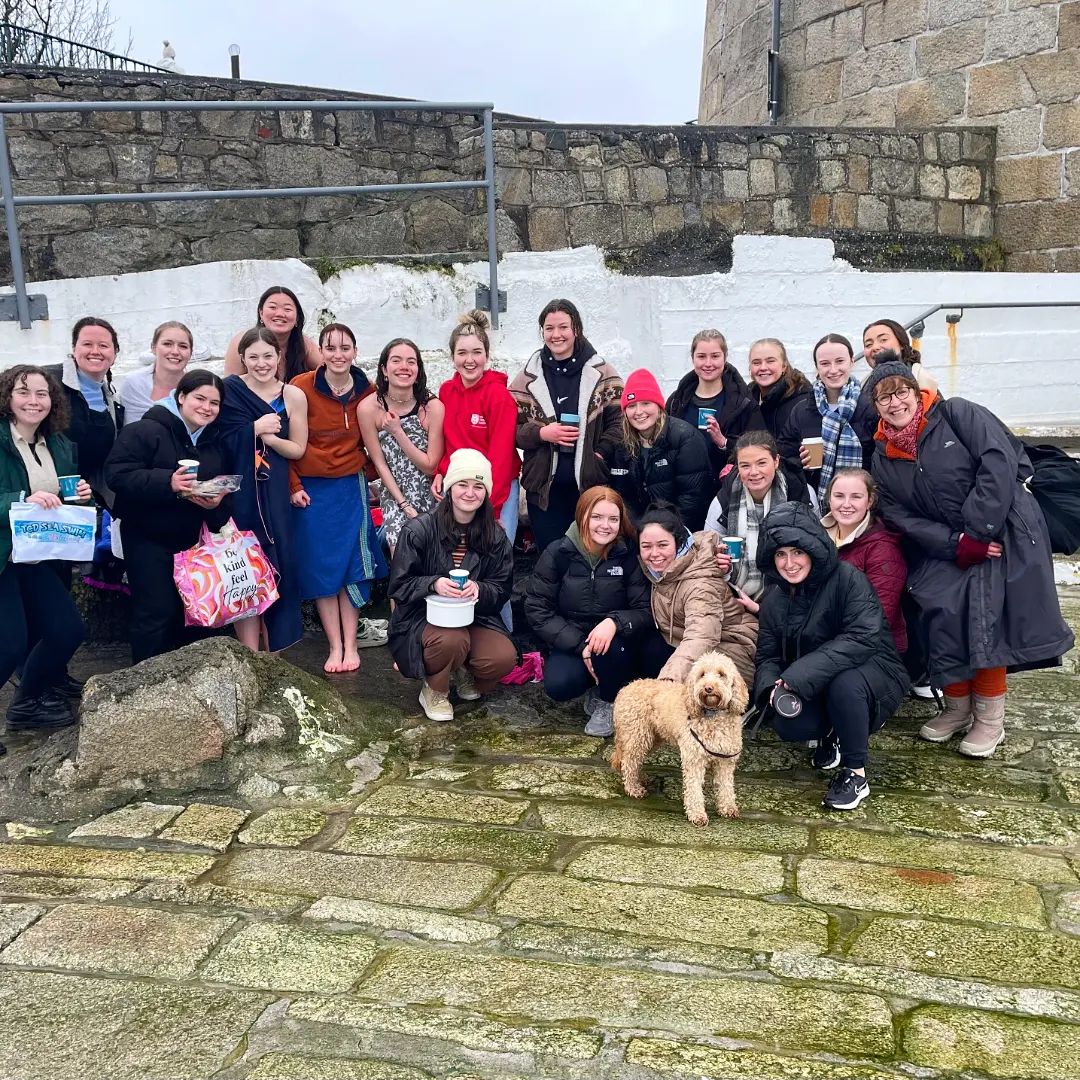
point(823, 636)
point(695, 610)
point(461, 533)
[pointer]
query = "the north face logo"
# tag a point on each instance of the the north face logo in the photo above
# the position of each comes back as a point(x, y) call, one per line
point(615, 571)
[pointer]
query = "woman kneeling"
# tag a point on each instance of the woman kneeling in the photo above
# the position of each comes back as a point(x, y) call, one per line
point(823, 636)
point(461, 533)
point(589, 600)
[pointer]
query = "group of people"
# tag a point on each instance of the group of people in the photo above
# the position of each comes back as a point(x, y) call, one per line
point(836, 539)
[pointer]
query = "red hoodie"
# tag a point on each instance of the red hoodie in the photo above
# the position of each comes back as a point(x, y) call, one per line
point(483, 417)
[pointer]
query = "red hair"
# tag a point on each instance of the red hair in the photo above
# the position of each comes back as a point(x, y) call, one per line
point(585, 506)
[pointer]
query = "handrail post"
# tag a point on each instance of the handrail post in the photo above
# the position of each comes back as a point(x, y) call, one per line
point(493, 246)
point(18, 275)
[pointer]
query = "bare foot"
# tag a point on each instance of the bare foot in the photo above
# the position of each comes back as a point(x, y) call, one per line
point(351, 661)
point(333, 662)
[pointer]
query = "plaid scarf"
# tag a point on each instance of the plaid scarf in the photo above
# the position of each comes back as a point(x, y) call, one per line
point(744, 518)
point(841, 447)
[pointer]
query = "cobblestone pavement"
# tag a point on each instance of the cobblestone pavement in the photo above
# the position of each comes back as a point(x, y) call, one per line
point(491, 905)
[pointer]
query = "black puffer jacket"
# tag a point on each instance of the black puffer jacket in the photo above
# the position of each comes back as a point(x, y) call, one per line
point(740, 413)
point(675, 469)
point(567, 595)
point(827, 624)
point(797, 491)
point(424, 553)
point(1002, 612)
point(777, 403)
point(139, 470)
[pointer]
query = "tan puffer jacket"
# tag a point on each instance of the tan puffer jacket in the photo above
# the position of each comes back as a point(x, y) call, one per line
point(696, 612)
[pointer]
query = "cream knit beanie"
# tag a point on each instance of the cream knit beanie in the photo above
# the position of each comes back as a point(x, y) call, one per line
point(468, 464)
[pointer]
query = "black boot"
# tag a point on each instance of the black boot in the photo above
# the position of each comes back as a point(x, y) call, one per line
point(50, 710)
point(70, 687)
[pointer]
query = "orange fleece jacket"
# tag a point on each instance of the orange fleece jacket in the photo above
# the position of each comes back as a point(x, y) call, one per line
point(335, 446)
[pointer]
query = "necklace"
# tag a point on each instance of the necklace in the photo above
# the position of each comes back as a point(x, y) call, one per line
point(399, 401)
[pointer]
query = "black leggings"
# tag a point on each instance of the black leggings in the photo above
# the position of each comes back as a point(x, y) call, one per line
point(847, 707)
point(157, 613)
point(551, 524)
point(566, 676)
point(42, 627)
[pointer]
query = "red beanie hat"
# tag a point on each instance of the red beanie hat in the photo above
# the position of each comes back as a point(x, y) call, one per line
point(641, 385)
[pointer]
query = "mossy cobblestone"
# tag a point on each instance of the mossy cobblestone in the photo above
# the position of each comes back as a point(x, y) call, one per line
point(488, 905)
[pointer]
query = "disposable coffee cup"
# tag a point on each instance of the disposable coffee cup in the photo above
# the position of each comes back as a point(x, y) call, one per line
point(734, 546)
point(787, 704)
point(703, 416)
point(815, 449)
point(189, 465)
point(575, 421)
point(459, 578)
point(68, 484)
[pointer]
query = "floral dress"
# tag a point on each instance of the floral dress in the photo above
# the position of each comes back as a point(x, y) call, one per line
point(415, 486)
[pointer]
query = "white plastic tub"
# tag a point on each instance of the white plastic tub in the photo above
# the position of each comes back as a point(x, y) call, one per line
point(444, 611)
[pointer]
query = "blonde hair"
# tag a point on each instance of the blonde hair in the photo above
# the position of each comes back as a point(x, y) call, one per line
point(632, 438)
point(473, 323)
point(708, 335)
point(172, 324)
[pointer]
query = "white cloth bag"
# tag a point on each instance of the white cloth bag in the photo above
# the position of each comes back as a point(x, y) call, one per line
point(39, 535)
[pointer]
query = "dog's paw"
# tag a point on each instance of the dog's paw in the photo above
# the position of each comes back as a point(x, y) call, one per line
point(635, 791)
point(698, 819)
point(728, 811)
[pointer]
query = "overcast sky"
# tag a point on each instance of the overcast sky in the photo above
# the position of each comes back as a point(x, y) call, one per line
point(591, 61)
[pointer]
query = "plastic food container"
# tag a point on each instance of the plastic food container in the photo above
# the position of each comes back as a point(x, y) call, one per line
point(443, 611)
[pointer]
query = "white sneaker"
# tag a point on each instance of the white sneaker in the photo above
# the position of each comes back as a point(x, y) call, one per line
point(463, 681)
point(371, 633)
point(436, 706)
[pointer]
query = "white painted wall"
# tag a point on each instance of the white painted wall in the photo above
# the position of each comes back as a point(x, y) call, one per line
point(1022, 363)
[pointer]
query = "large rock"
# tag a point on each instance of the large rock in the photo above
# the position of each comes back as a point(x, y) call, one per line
point(208, 714)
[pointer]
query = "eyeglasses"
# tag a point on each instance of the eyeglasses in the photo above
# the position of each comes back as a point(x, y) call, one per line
point(897, 395)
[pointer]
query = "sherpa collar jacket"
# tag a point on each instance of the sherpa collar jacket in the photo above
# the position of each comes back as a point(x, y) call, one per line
point(599, 391)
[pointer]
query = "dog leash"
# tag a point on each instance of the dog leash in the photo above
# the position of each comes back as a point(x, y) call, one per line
point(711, 753)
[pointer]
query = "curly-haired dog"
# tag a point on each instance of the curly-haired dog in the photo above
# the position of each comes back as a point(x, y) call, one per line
point(703, 718)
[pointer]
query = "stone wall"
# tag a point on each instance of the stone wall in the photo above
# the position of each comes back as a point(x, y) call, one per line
point(888, 199)
point(629, 187)
point(916, 64)
point(106, 152)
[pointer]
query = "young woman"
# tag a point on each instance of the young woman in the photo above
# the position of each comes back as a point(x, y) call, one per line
point(402, 426)
point(660, 458)
point(588, 599)
point(96, 415)
point(280, 312)
point(717, 388)
point(565, 377)
point(949, 477)
point(263, 426)
point(160, 515)
point(776, 386)
point(460, 534)
point(887, 335)
point(834, 414)
point(758, 482)
point(337, 553)
point(823, 635)
point(694, 609)
point(867, 543)
point(481, 415)
point(42, 625)
point(171, 345)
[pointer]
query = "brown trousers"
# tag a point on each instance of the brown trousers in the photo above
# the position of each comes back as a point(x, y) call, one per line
point(488, 654)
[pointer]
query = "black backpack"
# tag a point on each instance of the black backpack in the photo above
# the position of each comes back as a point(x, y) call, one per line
point(1055, 484)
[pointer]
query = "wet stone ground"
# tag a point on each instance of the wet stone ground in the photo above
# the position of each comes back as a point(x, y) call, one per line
point(490, 905)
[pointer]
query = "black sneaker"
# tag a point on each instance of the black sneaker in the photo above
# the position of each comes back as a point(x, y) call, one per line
point(846, 791)
point(827, 753)
point(50, 710)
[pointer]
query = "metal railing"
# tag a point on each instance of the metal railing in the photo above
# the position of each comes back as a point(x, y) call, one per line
point(917, 326)
point(11, 201)
point(21, 45)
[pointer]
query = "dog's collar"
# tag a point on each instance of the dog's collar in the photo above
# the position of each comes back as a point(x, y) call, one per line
point(711, 753)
